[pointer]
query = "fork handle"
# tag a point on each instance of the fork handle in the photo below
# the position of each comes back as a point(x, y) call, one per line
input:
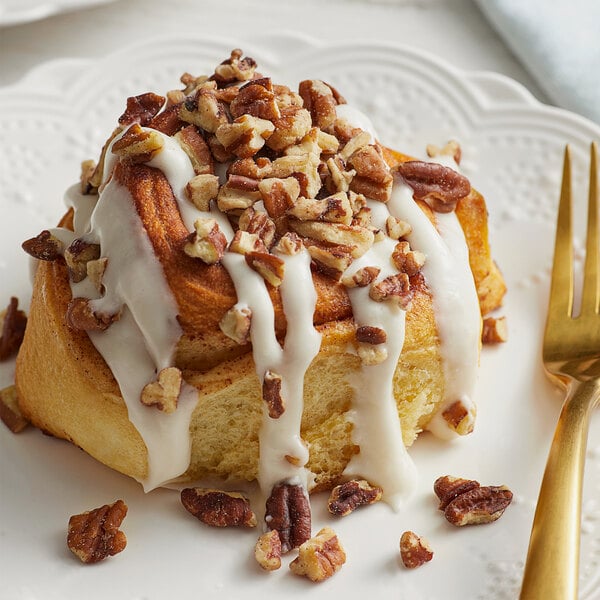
point(552, 567)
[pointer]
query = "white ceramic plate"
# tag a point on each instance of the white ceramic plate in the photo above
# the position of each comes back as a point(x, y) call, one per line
point(15, 12)
point(61, 113)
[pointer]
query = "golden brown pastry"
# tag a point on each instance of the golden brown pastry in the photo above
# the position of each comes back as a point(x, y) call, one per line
point(251, 286)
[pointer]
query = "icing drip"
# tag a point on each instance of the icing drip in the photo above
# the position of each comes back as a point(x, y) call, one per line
point(383, 458)
point(280, 437)
point(455, 302)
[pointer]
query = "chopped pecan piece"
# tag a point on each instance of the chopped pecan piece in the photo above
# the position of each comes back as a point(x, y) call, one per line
point(218, 508)
point(245, 136)
point(204, 109)
point(235, 68)
point(440, 186)
point(10, 413)
point(95, 271)
point(260, 224)
point(394, 288)
point(88, 168)
point(77, 255)
point(303, 166)
point(137, 144)
point(168, 121)
point(256, 98)
point(258, 168)
point(235, 324)
point(339, 175)
point(333, 209)
point(142, 109)
point(406, 260)
point(194, 145)
point(494, 330)
point(44, 246)
point(233, 197)
point(466, 502)
point(459, 417)
point(207, 242)
point(164, 392)
point(320, 101)
point(447, 488)
point(414, 550)
point(356, 143)
point(244, 242)
point(373, 177)
point(289, 244)
point(331, 260)
point(397, 228)
point(362, 278)
point(371, 354)
point(370, 335)
point(201, 189)
point(271, 393)
point(269, 266)
point(279, 195)
point(268, 551)
point(347, 497)
point(452, 148)
point(292, 125)
point(13, 323)
point(288, 512)
point(94, 535)
point(81, 316)
point(480, 505)
point(359, 239)
point(320, 557)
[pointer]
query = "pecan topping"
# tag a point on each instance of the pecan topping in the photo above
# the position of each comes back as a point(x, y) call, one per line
point(204, 109)
point(207, 242)
point(269, 266)
point(10, 413)
point(245, 136)
point(406, 260)
point(320, 557)
point(95, 271)
point(494, 330)
point(44, 246)
point(141, 109)
point(319, 101)
point(459, 417)
point(347, 497)
point(260, 224)
point(77, 256)
point(362, 278)
point(95, 535)
point(414, 550)
point(235, 324)
point(235, 68)
point(373, 177)
point(81, 316)
point(289, 244)
point(88, 168)
point(217, 508)
point(164, 392)
point(194, 145)
point(441, 186)
point(395, 288)
point(256, 98)
point(357, 239)
point(137, 144)
point(201, 190)
point(279, 195)
point(397, 228)
point(268, 551)
point(12, 330)
point(331, 260)
point(291, 126)
point(452, 148)
point(370, 354)
point(271, 392)
point(288, 512)
point(370, 335)
point(465, 502)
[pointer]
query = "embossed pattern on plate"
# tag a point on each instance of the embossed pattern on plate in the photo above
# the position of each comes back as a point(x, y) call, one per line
point(512, 153)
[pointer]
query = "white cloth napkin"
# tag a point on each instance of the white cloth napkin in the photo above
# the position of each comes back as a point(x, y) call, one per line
point(558, 41)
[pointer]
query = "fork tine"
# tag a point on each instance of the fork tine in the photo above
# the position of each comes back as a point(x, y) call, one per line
point(591, 291)
point(561, 287)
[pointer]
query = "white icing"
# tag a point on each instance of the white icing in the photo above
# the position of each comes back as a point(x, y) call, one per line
point(280, 437)
point(456, 306)
point(383, 458)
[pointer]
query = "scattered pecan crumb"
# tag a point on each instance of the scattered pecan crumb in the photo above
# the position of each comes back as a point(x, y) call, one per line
point(460, 418)
point(10, 413)
point(347, 497)
point(495, 331)
point(466, 502)
point(164, 392)
point(267, 551)
point(271, 392)
point(12, 330)
point(44, 246)
point(451, 148)
point(236, 323)
point(94, 535)
point(218, 508)
point(414, 550)
point(319, 557)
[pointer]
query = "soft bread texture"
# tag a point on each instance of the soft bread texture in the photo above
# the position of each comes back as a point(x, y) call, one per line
point(66, 389)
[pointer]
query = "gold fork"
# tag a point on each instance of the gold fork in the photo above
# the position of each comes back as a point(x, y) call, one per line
point(571, 354)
